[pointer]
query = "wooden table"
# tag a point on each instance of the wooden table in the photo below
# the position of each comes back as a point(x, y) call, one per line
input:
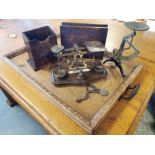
point(123, 118)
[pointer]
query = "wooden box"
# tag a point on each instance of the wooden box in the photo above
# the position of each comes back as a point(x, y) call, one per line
point(79, 33)
point(39, 42)
point(87, 114)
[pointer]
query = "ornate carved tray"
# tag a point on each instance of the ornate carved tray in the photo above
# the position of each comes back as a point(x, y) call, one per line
point(89, 113)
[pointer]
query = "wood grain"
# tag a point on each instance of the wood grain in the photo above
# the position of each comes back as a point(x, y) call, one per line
point(118, 121)
point(124, 116)
point(90, 112)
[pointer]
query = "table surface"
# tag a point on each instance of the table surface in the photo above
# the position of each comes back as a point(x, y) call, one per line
point(122, 119)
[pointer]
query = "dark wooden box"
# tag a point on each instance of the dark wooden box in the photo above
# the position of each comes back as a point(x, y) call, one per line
point(38, 43)
point(80, 32)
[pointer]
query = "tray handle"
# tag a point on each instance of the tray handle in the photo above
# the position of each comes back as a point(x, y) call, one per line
point(134, 91)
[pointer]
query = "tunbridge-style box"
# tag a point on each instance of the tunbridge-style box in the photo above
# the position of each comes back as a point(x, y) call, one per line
point(81, 33)
point(38, 43)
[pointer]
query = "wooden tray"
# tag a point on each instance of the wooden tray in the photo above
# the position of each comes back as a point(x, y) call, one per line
point(87, 114)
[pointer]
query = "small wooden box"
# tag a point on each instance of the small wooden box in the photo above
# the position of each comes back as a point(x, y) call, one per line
point(38, 43)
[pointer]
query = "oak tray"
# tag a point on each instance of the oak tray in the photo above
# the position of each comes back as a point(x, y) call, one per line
point(87, 114)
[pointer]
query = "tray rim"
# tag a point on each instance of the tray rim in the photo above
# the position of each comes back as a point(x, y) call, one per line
point(89, 126)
